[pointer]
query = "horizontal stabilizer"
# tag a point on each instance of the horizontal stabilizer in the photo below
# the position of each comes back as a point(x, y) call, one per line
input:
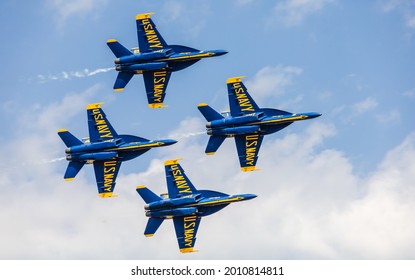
point(152, 226)
point(118, 49)
point(214, 143)
point(73, 169)
point(68, 138)
point(209, 113)
point(147, 195)
point(122, 80)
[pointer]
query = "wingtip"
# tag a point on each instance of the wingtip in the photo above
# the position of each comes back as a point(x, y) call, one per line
point(188, 250)
point(69, 179)
point(234, 80)
point(210, 153)
point(140, 187)
point(157, 105)
point(249, 169)
point(143, 16)
point(111, 41)
point(202, 105)
point(172, 161)
point(118, 89)
point(94, 105)
point(106, 195)
point(62, 130)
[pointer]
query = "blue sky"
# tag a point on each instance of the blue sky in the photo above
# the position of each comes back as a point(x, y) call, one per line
point(337, 187)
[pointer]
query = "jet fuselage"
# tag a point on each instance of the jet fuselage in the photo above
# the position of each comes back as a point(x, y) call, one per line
point(113, 149)
point(160, 60)
point(254, 123)
point(191, 205)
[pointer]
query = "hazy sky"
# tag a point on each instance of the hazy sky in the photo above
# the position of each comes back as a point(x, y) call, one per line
point(341, 186)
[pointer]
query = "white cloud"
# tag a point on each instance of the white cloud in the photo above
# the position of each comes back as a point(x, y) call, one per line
point(271, 81)
point(310, 204)
point(351, 112)
point(294, 12)
point(404, 7)
point(390, 117)
point(363, 106)
point(67, 9)
point(189, 16)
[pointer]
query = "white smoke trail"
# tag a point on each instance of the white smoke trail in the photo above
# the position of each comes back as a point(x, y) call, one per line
point(46, 161)
point(186, 135)
point(69, 75)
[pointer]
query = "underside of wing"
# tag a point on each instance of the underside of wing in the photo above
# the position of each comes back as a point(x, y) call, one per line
point(149, 38)
point(186, 229)
point(248, 148)
point(122, 80)
point(105, 174)
point(156, 84)
point(240, 101)
point(177, 182)
point(100, 129)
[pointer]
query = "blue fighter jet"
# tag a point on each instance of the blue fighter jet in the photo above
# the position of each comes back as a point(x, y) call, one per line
point(185, 205)
point(155, 59)
point(105, 148)
point(247, 123)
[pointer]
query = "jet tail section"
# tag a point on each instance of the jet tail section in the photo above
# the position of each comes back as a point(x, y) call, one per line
point(73, 169)
point(152, 226)
point(209, 113)
point(122, 80)
point(147, 195)
point(214, 143)
point(68, 138)
point(118, 49)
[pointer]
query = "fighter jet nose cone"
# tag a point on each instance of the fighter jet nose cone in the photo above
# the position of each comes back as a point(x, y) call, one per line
point(221, 52)
point(315, 115)
point(169, 142)
point(250, 196)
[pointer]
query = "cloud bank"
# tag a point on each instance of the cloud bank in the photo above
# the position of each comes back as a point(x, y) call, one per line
point(310, 204)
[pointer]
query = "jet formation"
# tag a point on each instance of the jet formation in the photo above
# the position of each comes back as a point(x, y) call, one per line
point(154, 59)
point(247, 123)
point(104, 148)
point(185, 205)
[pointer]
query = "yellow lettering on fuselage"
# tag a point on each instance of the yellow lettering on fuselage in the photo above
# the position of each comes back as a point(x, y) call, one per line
point(159, 82)
point(179, 179)
point(189, 224)
point(251, 142)
point(151, 35)
point(101, 124)
point(109, 172)
point(243, 100)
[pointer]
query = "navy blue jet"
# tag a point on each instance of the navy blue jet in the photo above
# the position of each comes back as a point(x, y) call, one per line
point(247, 123)
point(105, 148)
point(154, 58)
point(185, 205)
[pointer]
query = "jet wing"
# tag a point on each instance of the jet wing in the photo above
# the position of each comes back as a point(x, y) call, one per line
point(156, 84)
point(105, 174)
point(100, 129)
point(248, 147)
point(177, 182)
point(149, 39)
point(186, 229)
point(240, 102)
